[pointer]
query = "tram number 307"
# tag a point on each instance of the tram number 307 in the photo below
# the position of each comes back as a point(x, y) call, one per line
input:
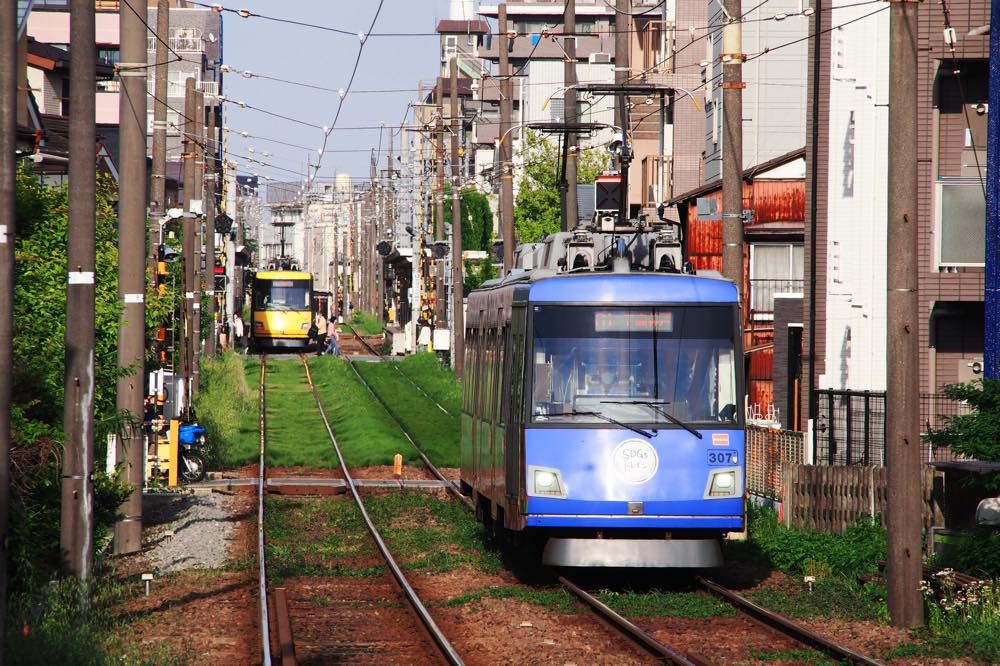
point(721, 458)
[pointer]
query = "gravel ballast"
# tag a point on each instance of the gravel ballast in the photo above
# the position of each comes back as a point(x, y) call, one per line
point(192, 530)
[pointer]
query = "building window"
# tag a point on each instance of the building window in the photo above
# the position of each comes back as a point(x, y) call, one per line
point(960, 222)
point(775, 268)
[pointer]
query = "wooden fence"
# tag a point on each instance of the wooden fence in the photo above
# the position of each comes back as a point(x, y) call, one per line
point(825, 498)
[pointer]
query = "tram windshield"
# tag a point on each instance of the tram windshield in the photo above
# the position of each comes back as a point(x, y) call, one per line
point(281, 295)
point(636, 365)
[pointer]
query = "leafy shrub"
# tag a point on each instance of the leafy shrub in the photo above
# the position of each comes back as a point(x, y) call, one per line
point(970, 615)
point(976, 434)
point(977, 554)
point(798, 551)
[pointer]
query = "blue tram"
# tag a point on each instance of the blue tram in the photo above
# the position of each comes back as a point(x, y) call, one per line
point(602, 412)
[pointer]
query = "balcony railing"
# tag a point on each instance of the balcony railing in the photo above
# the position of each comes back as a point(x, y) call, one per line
point(762, 291)
point(657, 44)
point(656, 179)
point(179, 44)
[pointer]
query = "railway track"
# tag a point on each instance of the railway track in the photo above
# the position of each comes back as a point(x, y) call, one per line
point(375, 352)
point(447, 651)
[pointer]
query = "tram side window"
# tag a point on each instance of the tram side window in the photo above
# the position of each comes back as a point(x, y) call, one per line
point(501, 380)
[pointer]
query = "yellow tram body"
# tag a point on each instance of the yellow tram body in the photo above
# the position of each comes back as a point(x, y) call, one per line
point(281, 309)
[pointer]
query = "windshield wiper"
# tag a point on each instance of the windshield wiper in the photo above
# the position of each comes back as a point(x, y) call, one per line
point(604, 417)
point(657, 407)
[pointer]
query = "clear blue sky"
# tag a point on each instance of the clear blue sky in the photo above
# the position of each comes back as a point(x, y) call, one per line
point(326, 59)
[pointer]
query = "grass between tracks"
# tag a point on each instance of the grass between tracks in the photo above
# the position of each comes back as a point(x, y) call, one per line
point(436, 433)
point(296, 435)
point(435, 378)
point(365, 323)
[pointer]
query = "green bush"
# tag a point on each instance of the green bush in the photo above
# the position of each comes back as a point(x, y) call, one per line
point(365, 323)
point(977, 554)
point(967, 617)
point(798, 551)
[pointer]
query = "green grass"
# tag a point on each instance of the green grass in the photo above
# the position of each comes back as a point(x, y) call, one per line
point(227, 407)
point(432, 534)
point(833, 597)
point(317, 537)
point(557, 600)
point(296, 434)
point(665, 604)
point(365, 433)
point(435, 378)
point(365, 323)
point(436, 433)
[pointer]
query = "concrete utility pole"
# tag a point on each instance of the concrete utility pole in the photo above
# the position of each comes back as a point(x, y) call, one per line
point(131, 271)
point(732, 144)
point(440, 305)
point(158, 186)
point(571, 209)
point(506, 140)
point(622, 59)
point(902, 419)
point(991, 337)
point(188, 222)
point(77, 530)
point(457, 291)
point(199, 241)
point(208, 201)
point(8, 220)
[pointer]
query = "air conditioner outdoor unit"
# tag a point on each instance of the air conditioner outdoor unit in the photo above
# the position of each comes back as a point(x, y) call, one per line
point(599, 58)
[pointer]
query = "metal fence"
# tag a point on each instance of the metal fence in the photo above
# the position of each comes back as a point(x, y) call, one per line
point(766, 450)
point(850, 426)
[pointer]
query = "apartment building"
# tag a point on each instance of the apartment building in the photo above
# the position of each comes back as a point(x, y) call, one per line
point(846, 196)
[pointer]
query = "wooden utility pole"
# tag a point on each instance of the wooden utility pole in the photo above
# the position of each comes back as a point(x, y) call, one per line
point(199, 241)
point(77, 533)
point(8, 221)
point(189, 222)
point(457, 295)
point(622, 61)
point(208, 203)
point(506, 139)
point(570, 207)
point(902, 419)
point(732, 144)
point(440, 305)
point(131, 271)
point(158, 185)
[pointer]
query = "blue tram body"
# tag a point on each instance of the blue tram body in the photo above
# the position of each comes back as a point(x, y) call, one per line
point(603, 415)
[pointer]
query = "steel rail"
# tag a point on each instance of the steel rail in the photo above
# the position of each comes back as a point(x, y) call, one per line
point(788, 627)
point(396, 368)
point(449, 652)
point(265, 631)
point(423, 457)
point(631, 630)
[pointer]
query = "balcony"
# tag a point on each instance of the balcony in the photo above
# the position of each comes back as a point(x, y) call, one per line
point(656, 179)
point(762, 291)
point(179, 44)
point(657, 45)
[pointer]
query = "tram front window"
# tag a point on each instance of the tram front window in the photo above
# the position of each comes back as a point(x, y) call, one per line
point(282, 295)
point(632, 364)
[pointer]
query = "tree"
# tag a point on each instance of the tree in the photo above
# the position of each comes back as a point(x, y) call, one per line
point(477, 218)
point(537, 210)
point(976, 434)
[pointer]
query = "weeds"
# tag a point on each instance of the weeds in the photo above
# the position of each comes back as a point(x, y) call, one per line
point(436, 433)
point(665, 604)
point(365, 323)
point(831, 597)
point(227, 407)
point(556, 600)
point(977, 554)
point(969, 615)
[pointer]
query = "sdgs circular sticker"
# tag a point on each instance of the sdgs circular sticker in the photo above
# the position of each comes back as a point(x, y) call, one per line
point(635, 461)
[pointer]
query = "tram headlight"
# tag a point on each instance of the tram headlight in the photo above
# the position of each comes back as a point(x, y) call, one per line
point(545, 482)
point(304, 326)
point(723, 483)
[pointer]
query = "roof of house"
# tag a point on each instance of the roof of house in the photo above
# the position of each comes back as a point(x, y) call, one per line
point(477, 26)
point(748, 175)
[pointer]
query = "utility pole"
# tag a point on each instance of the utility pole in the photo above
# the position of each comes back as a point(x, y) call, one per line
point(199, 222)
point(457, 314)
point(8, 221)
point(131, 271)
point(158, 186)
point(188, 222)
point(77, 532)
point(991, 334)
point(208, 203)
point(622, 64)
point(440, 305)
point(571, 209)
point(732, 144)
point(902, 419)
point(506, 153)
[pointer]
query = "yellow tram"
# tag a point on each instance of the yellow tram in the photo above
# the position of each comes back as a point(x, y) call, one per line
point(281, 309)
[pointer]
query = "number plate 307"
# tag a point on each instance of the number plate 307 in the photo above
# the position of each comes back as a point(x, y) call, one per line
point(723, 458)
